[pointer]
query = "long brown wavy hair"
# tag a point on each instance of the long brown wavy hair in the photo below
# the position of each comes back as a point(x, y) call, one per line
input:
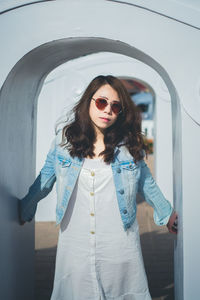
point(79, 136)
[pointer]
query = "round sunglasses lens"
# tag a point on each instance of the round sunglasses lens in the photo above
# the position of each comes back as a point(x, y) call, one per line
point(101, 103)
point(116, 108)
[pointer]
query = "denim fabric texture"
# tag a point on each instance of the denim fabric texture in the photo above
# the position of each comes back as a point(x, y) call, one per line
point(130, 178)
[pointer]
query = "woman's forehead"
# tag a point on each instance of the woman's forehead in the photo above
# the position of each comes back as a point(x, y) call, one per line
point(107, 91)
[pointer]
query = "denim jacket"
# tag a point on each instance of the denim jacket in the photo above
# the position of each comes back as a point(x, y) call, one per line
point(129, 178)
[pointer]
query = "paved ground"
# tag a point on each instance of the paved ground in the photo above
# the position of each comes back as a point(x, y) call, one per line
point(157, 248)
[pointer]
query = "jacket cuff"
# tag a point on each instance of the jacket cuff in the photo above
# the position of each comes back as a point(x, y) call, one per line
point(163, 221)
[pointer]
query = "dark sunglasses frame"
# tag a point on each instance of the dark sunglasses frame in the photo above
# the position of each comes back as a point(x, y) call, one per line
point(111, 104)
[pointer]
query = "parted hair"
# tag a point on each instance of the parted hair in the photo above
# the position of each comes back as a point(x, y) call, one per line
point(79, 135)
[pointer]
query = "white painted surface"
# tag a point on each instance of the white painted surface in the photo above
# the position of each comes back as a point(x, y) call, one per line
point(180, 10)
point(169, 46)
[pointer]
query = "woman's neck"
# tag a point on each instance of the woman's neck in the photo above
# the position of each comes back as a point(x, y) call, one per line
point(99, 146)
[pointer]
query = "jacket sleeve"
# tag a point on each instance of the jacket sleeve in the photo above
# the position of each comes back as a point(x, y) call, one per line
point(153, 195)
point(41, 187)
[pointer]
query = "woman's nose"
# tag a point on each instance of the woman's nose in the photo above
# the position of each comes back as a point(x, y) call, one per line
point(108, 109)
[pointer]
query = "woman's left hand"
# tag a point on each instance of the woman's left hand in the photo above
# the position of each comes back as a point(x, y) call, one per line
point(170, 223)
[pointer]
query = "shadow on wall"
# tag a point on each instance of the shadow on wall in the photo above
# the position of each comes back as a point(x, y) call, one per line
point(7, 200)
point(158, 253)
point(157, 249)
point(44, 272)
point(12, 243)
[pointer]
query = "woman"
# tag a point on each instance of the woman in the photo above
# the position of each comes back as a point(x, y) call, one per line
point(97, 162)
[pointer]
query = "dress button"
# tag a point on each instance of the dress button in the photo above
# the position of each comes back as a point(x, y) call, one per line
point(92, 232)
point(125, 211)
point(91, 193)
point(92, 173)
point(118, 170)
point(121, 191)
point(92, 214)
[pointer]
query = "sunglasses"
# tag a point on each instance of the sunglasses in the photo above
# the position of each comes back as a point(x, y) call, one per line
point(101, 103)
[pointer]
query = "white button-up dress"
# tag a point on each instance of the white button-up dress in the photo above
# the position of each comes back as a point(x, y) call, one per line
point(96, 259)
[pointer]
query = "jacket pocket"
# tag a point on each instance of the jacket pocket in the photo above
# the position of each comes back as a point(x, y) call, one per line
point(129, 166)
point(130, 171)
point(62, 164)
point(63, 161)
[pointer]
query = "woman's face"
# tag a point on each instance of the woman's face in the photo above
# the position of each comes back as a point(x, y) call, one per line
point(103, 119)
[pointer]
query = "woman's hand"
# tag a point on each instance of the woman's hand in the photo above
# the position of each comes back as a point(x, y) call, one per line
point(172, 224)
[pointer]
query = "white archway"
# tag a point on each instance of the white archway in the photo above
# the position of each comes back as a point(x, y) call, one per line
point(22, 102)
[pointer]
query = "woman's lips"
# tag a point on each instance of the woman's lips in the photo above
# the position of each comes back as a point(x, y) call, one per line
point(105, 119)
